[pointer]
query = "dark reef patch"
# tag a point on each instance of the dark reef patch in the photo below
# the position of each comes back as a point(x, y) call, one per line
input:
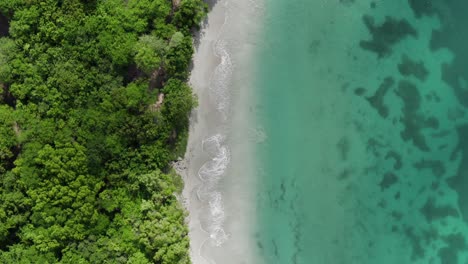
point(377, 100)
point(455, 114)
point(345, 174)
point(373, 146)
point(452, 74)
point(390, 32)
point(347, 2)
point(259, 245)
point(419, 242)
point(436, 166)
point(431, 122)
point(382, 204)
point(421, 7)
point(459, 182)
point(388, 180)
point(314, 46)
point(275, 247)
point(412, 119)
point(441, 134)
point(410, 95)
point(432, 96)
point(359, 91)
point(455, 243)
point(432, 212)
point(397, 215)
point(397, 196)
point(408, 67)
point(454, 36)
point(343, 147)
point(417, 249)
point(430, 235)
point(397, 157)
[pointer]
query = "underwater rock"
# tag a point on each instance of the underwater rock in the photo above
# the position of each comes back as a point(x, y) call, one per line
point(373, 146)
point(343, 147)
point(412, 119)
point(345, 174)
point(408, 67)
point(359, 91)
point(453, 35)
point(347, 2)
point(459, 182)
point(436, 166)
point(384, 36)
point(455, 243)
point(377, 100)
point(432, 212)
point(397, 157)
point(397, 215)
point(416, 244)
point(388, 180)
point(421, 8)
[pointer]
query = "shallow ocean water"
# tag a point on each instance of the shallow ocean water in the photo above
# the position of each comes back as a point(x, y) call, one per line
point(363, 105)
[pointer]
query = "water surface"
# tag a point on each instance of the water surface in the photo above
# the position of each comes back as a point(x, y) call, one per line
point(364, 108)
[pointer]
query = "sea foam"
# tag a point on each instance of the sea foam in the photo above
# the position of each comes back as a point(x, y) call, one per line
point(221, 78)
point(210, 174)
point(212, 171)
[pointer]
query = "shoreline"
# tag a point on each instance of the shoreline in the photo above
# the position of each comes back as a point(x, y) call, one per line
point(201, 122)
point(218, 186)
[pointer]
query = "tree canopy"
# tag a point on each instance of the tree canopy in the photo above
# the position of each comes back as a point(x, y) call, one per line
point(94, 107)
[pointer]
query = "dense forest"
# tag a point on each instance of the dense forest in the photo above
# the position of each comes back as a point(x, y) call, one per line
point(94, 107)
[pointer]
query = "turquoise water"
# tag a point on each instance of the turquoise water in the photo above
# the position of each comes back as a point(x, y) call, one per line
point(364, 104)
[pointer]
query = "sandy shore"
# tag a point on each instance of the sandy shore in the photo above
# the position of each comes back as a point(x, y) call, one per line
point(219, 175)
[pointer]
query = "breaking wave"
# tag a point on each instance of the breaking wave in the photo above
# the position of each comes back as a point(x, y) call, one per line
point(221, 78)
point(210, 174)
point(212, 171)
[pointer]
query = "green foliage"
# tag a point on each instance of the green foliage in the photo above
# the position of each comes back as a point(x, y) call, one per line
point(179, 55)
point(179, 101)
point(7, 51)
point(84, 153)
point(149, 53)
point(190, 14)
point(7, 137)
point(23, 254)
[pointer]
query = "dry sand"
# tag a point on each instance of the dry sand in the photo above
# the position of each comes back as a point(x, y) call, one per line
point(222, 81)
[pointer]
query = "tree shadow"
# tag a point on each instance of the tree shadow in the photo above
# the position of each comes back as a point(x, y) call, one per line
point(4, 25)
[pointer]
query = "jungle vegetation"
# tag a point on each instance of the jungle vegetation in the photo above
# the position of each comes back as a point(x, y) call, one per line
point(94, 107)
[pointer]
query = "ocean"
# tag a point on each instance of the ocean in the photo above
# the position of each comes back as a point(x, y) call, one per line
point(363, 106)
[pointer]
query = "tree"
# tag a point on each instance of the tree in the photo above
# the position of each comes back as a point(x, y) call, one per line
point(149, 53)
point(178, 103)
point(190, 14)
point(7, 51)
point(84, 158)
point(8, 140)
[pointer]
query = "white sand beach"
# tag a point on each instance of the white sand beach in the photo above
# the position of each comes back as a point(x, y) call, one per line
point(218, 175)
